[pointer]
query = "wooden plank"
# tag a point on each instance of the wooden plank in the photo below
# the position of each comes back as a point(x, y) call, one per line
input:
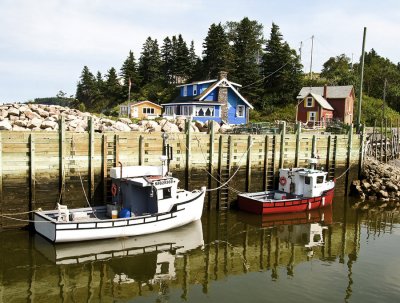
point(188, 151)
point(283, 134)
point(220, 157)
point(141, 150)
point(91, 160)
point(298, 132)
point(104, 168)
point(32, 179)
point(248, 163)
point(210, 164)
point(350, 142)
point(265, 175)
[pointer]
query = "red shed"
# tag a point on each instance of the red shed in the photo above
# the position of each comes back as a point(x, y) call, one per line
point(314, 109)
point(340, 98)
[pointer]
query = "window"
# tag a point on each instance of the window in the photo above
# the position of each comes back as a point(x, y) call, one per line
point(166, 193)
point(148, 110)
point(184, 91)
point(169, 110)
point(312, 116)
point(186, 110)
point(240, 111)
point(320, 179)
point(194, 89)
point(205, 111)
point(309, 102)
point(307, 180)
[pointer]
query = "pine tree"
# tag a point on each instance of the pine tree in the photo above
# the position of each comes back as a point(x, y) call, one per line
point(150, 62)
point(86, 88)
point(282, 70)
point(217, 52)
point(130, 75)
point(167, 59)
point(247, 37)
point(193, 59)
point(182, 60)
point(113, 89)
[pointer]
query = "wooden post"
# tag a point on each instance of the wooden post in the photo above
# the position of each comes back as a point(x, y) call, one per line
point(141, 150)
point(374, 142)
point(361, 152)
point(116, 146)
point(381, 155)
point(104, 168)
point(350, 142)
point(296, 160)
point(32, 171)
point(274, 161)
point(188, 152)
point(248, 163)
point(219, 171)
point(210, 164)
point(61, 153)
point(266, 162)
point(314, 147)
point(1, 178)
point(91, 160)
point(398, 139)
point(328, 154)
point(386, 143)
point(283, 134)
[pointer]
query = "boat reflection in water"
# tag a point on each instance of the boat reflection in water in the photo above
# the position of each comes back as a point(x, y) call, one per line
point(301, 229)
point(143, 258)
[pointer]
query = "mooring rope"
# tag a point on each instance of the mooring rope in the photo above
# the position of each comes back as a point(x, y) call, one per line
point(24, 220)
point(84, 192)
point(343, 173)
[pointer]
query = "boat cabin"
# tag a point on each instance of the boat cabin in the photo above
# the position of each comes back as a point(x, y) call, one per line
point(144, 189)
point(304, 182)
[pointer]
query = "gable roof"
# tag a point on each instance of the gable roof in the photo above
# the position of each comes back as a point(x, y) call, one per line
point(223, 81)
point(333, 92)
point(145, 101)
point(324, 104)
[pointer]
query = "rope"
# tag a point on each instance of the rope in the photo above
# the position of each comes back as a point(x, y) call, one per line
point(84, 192)
point(23, 220)
point(343, 173)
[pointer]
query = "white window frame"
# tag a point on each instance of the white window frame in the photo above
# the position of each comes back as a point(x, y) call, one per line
point(184, 91)
point(194, 89)
point(309, 99)
point(240, 111)
point(169, 110)
point(205, 108)
point(148, 110)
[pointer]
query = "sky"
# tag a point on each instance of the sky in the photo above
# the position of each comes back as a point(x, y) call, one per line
point(44, 44)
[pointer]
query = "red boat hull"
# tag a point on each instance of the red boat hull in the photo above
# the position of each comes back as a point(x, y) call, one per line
point(252, 205)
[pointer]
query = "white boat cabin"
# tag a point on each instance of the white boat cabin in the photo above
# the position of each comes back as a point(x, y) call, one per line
point(144, 189)
point(304, 182)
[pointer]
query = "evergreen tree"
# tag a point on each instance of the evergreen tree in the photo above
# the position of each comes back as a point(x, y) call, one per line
point(217, 52)
point(282, 70)
point(247, 37)
point(113, 89)
point(193, 60)
point(168, 60)
point(130, 75)
point(86, 88)
point(150, 62)
point(182, 60)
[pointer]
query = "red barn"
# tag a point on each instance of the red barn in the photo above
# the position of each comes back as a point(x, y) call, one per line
point(320, 104)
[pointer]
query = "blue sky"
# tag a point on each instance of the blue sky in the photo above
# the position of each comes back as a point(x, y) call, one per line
point(44, 44)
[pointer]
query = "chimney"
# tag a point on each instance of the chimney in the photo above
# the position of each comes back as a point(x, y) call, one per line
point(223, 96)
point(325, 91)
point(222, 75)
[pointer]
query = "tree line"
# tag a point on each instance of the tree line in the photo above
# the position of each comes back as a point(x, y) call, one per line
point(269, 70)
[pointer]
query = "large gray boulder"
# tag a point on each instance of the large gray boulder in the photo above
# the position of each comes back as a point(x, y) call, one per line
point(169, 127)
point(5, 125)
point(120, 126)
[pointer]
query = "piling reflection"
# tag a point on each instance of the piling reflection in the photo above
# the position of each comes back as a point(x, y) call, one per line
point(160, 265)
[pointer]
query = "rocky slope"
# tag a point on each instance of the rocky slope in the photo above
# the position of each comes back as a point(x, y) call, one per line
point(23, 117)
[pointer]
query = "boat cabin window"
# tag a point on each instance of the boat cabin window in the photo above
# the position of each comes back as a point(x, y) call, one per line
point(307, 180)
point(320, 179)
point(166, 193)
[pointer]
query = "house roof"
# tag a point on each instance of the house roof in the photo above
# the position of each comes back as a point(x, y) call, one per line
point(193, 102)
point(222, 82)
point(207, 81)
point(145, 101)
point(321, 100)
point(332, 92)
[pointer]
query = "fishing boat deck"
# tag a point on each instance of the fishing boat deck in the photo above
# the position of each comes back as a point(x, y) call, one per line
point(269, 196)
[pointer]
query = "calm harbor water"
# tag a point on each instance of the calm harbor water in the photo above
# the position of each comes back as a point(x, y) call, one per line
point(334, 255)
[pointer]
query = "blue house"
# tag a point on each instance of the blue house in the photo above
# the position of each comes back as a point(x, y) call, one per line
point(217, 100)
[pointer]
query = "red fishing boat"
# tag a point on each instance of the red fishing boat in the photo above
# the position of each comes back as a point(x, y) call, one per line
point(300, 189)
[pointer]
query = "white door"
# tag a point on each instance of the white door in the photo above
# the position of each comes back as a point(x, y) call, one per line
point(135, 113)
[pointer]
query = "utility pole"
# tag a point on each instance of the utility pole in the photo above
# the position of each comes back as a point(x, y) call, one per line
point(312, 48)
point(384, 99)
point(361, 83)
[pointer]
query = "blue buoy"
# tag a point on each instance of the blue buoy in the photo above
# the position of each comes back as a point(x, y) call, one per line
point(125, 213)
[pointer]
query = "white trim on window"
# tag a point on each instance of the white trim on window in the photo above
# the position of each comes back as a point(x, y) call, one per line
point(309, 102)
point(194, 89)
point(240, 110)
point(184, 91)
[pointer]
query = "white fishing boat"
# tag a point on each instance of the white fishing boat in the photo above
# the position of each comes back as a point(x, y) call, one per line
point(146, 199)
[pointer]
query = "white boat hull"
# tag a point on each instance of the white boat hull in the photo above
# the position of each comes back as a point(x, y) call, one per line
point(181, 214)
